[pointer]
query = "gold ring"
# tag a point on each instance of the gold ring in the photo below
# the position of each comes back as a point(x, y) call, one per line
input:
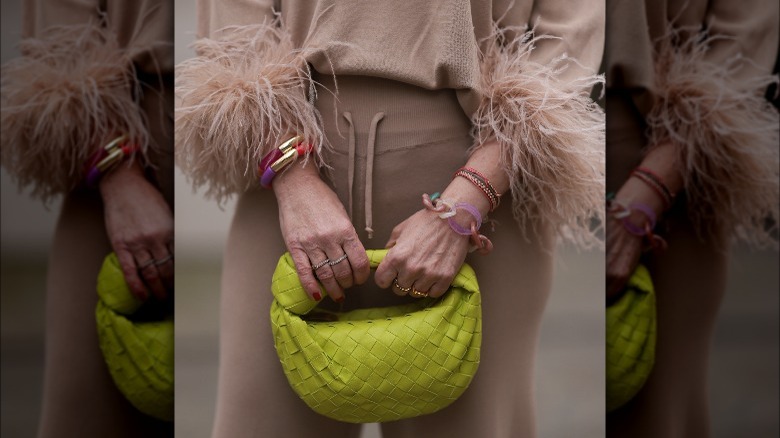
point(417, 294)
point(402, 289)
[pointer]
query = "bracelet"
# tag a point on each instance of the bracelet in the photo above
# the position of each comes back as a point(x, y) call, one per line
point(656, 183)
point(482, 183)
point(280, 158)
point(107, 158)
point(436, 204)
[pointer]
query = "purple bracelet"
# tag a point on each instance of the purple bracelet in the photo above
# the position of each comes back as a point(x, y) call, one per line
point(472, 210)
point(267, 178)
point(636, 230)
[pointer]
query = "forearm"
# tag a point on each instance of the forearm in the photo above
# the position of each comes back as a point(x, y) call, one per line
point(486, 160)
point(661, 160)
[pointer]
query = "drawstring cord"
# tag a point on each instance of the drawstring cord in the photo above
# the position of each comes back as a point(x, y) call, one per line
point(371, 146)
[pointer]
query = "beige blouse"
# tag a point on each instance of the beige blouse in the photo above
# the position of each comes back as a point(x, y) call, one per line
point(88, 69)
point(529, 89)
point(697, 72)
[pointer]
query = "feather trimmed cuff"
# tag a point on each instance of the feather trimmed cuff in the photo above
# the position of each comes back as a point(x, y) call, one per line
point(71, 90)
point(551, 135)
point(239, 97)
point(726, 135)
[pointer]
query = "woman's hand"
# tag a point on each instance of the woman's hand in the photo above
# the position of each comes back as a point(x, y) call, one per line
point(316, 228)
point(426, 253)
point(139, 224)
point(425, 256)
point(623, 248)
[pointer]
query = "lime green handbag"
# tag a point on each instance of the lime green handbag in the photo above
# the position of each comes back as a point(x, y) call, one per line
point(631, 335)
point(137, 344)
point(379, 364)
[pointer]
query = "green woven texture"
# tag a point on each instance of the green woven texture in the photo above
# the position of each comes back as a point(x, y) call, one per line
point(378, 364)
point(631, 334)
point(139, 355)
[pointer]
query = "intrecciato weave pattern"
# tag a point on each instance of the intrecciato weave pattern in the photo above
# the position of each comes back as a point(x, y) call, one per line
point(139, 355)
point(631, 334)
point(379, 364)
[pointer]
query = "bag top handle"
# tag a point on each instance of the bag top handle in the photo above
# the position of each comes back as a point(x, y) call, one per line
point(289, 292)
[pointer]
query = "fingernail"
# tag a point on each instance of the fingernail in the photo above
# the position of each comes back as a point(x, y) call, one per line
point(340, 299)
point(317, 296)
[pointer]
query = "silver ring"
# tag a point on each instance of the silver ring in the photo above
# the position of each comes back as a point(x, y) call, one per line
point(163, 260)
point(338, 260)
point(320, 264)
point(146, 264)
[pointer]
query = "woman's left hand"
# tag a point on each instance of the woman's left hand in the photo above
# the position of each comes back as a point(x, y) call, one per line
point(425, 256)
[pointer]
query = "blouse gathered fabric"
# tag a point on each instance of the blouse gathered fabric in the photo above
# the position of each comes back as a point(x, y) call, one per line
point(522, 72)
point(696, 74)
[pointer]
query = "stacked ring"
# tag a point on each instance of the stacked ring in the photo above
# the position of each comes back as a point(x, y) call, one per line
point(320, 264)
point(338, 260)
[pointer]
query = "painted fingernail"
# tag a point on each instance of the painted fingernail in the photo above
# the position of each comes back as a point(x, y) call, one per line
point(340, 299)
point(317, 296)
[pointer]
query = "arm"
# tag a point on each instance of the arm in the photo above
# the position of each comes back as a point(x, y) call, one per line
point(538, 136)
point(244, 94)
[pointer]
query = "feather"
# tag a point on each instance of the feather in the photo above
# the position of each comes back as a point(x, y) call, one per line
point(238, 97)
point(726, 135)
point(551, 135)
point(71, 90)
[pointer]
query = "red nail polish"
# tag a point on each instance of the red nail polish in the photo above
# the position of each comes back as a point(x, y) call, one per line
point(340, 299)
point(317, 296)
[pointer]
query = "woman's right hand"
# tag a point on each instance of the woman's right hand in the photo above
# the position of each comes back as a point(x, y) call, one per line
point(316, 228)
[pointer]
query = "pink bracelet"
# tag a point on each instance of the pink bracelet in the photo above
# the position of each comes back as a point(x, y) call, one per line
point(479, 242)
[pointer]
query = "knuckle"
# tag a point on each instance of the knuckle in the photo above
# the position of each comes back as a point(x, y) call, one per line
point(325, 275)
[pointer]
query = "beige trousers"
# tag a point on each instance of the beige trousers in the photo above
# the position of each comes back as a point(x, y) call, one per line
point(690, 280)
point(79, 397)
point(417, 139)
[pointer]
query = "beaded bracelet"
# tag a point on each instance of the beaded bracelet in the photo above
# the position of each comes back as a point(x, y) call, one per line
point(106, 159)
point(482, 183)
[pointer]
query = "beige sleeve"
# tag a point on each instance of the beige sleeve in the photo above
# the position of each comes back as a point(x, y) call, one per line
point(216, 14)
point(710, 82)
point(246, 90)
point(79, 73)
point(536, 78)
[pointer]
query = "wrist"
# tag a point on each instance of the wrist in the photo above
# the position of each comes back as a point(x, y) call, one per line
point(122, 175)
point(293, 178)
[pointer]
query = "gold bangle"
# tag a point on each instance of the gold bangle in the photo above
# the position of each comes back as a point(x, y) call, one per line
point(112, 159)
point(284, 160)
point(115, 142)
point(289, 144)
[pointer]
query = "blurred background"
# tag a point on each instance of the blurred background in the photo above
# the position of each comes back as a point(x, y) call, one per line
point(570, 382)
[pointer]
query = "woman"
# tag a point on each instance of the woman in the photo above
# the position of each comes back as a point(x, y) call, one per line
point(685, 99)
point(392, 98)
point(90, 72)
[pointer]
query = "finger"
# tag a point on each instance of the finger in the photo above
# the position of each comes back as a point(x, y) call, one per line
point(326, 276)
point(149, 273)
point(424, 284)
point(305, 274)
point(438, 289)
point(405, 281)
point(342, 271)
point(358, 260)
point(130, 271)
point(385, 272)
point(393, 237)
point(164, 262)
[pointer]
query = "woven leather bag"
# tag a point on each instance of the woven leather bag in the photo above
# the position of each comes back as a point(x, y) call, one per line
point(378, 364)
point(138, 349)
point(631, 336)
